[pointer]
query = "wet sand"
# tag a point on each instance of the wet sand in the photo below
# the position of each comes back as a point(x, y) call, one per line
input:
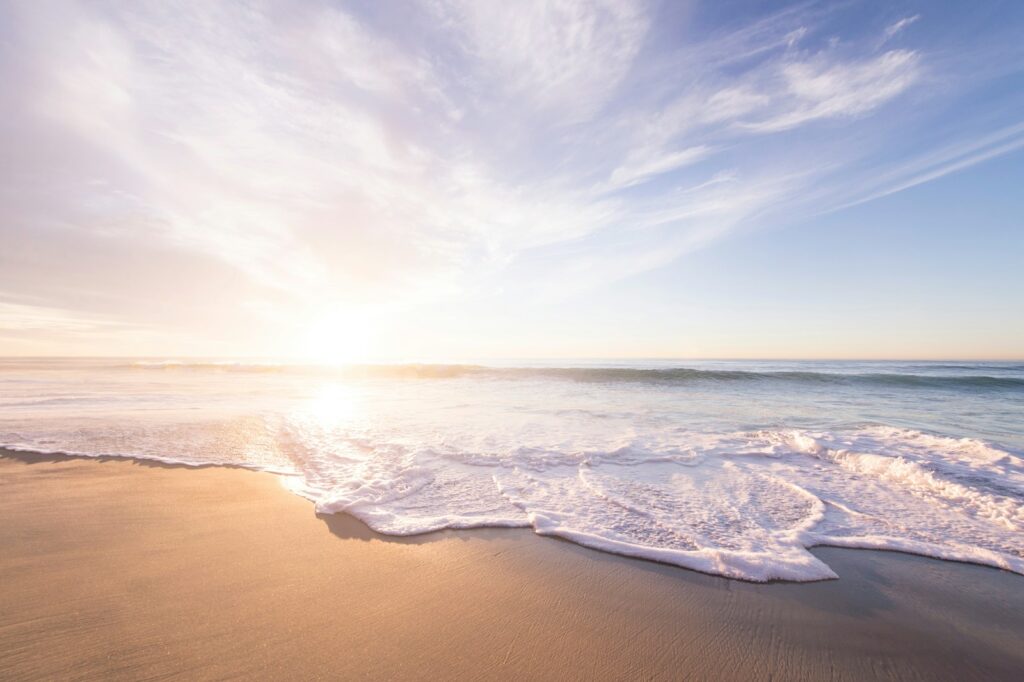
point(115, 569)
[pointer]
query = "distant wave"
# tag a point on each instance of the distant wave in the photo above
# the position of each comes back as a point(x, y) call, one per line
point(669, 376)
point(688, 375)
point(220, 366)
point(933, 366)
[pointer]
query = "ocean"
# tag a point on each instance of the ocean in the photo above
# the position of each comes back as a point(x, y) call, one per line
point(733, 468)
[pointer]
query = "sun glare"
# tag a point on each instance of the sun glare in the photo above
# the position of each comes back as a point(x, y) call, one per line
point(337, 339)
point(333, 405)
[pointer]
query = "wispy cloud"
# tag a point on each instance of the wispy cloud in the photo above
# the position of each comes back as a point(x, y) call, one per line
point(323, 156)
point(564, 59)
point(898, 26)
point(936, 164)
point(819, 88)
point(644, 164)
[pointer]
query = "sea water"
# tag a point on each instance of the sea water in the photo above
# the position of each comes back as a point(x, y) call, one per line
point(733, 468)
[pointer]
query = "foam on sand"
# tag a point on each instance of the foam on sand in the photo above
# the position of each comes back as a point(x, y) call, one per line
point(645, 471)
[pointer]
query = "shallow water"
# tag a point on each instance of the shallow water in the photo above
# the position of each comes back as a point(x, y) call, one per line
point(733, 468)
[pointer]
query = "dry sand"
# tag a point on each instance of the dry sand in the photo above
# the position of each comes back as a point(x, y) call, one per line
point(113, 569)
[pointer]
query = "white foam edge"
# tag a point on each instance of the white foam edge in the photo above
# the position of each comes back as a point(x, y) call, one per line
point(714, 562)
point(192, 464)
point(749, 566)
point(959, 552)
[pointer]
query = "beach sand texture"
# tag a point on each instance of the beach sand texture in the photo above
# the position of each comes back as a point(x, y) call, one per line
point(117, 569)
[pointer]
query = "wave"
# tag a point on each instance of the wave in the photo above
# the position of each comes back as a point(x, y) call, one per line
point(612, 456)
point(682, 375)
point(745, 505)
point(218, 366)
point(662, 376)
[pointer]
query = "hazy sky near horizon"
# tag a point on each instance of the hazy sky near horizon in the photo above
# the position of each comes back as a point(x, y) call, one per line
point(465, 179)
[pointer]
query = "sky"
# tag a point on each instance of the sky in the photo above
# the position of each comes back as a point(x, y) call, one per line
point(449, 179)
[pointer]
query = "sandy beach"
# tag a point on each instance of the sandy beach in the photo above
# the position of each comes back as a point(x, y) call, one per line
point(475, 340)
point(116, 569)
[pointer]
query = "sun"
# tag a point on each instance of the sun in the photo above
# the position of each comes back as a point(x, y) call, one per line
point(337, 338)
point(333, 405)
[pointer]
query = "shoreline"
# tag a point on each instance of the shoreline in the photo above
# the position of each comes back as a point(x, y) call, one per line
point(31, 456)
point(122, 569)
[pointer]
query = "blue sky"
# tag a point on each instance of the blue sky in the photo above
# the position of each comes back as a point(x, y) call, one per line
point(438, 180)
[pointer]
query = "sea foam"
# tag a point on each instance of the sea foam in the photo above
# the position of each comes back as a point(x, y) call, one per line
point(737, 477)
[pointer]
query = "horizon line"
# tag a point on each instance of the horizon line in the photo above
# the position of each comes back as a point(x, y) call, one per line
point(451, 361)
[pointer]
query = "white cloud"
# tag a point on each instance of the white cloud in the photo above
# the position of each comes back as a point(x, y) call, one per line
point(563, 57)
point(794, 37)
point(934, 165)
point(329, 158)
point(19, 317)
point(821, 89)
point(894, 28)
point(645, 164)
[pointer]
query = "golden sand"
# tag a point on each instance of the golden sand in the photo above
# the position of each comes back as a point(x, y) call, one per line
point(116, 569)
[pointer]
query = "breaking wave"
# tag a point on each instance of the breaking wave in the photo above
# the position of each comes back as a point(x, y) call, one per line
point(672, 375)
point(727, 470)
